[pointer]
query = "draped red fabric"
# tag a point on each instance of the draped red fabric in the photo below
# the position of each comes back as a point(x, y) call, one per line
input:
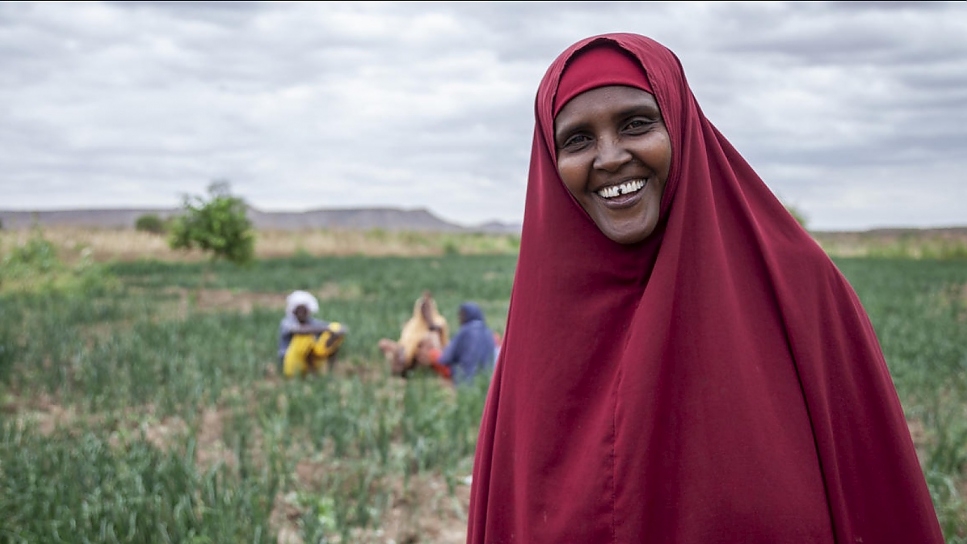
point(718, 382)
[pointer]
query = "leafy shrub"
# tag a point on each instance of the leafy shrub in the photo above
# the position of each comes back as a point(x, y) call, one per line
point(151, 223)
point(36, 255)
point(34, 265)
point(218, 226)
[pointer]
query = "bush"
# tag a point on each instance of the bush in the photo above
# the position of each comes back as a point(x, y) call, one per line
point(218, 226)
point(36, 255)
point(34, 265)
point(151, 223)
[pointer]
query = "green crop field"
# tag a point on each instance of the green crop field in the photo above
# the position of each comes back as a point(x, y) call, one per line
point(140, 404)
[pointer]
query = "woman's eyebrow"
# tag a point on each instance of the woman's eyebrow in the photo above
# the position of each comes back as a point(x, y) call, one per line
point(568, 128)
point(638, 109)
point(651, 110)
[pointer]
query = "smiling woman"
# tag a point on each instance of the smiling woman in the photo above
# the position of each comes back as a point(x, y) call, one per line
point(681, 361)
point(613, 151)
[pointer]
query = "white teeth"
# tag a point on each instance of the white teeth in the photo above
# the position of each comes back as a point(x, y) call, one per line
point(623, 189)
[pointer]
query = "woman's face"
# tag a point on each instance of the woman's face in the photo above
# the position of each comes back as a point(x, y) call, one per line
point(614, 154)
point(301, 313)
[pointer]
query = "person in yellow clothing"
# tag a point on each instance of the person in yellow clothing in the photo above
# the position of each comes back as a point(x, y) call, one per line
point(426, 325)
point(304, 341)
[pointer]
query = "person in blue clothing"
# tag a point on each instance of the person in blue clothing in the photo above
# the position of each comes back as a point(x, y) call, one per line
point(469, 353)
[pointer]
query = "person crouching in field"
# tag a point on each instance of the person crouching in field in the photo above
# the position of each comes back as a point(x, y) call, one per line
point(304, 341)
point(426, 321)
point(469, 353)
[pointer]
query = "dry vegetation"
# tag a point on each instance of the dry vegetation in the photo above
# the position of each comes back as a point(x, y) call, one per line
point(128, 244)
point(905, 243)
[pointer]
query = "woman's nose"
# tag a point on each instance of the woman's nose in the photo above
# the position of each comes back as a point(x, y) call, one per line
point(611, 154)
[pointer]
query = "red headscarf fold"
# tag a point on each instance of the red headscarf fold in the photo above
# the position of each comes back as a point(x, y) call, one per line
point(718, 382)
point(598, 66)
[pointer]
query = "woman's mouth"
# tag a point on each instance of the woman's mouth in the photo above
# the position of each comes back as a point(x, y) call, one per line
point(625, 188)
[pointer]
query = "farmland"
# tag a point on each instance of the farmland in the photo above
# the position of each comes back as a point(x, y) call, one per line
point(140, 401)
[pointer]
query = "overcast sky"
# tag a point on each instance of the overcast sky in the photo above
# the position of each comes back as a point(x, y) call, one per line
point(856, 113)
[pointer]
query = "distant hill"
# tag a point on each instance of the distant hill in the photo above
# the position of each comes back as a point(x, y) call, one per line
point(394, 219)
point(356, 219)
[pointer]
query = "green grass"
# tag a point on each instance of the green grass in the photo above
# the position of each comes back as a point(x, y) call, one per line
point(143, 348)
point(919, 311)
point(128, 350)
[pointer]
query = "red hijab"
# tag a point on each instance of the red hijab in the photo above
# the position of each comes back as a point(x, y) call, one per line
point(718, 382)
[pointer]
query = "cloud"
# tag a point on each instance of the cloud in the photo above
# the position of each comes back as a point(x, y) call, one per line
point(854, 110)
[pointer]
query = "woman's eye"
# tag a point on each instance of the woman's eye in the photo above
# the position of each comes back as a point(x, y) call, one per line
point(575, 141)
point(638, 125)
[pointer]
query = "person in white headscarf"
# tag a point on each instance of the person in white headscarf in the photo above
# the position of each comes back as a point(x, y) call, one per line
point(304, 341)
